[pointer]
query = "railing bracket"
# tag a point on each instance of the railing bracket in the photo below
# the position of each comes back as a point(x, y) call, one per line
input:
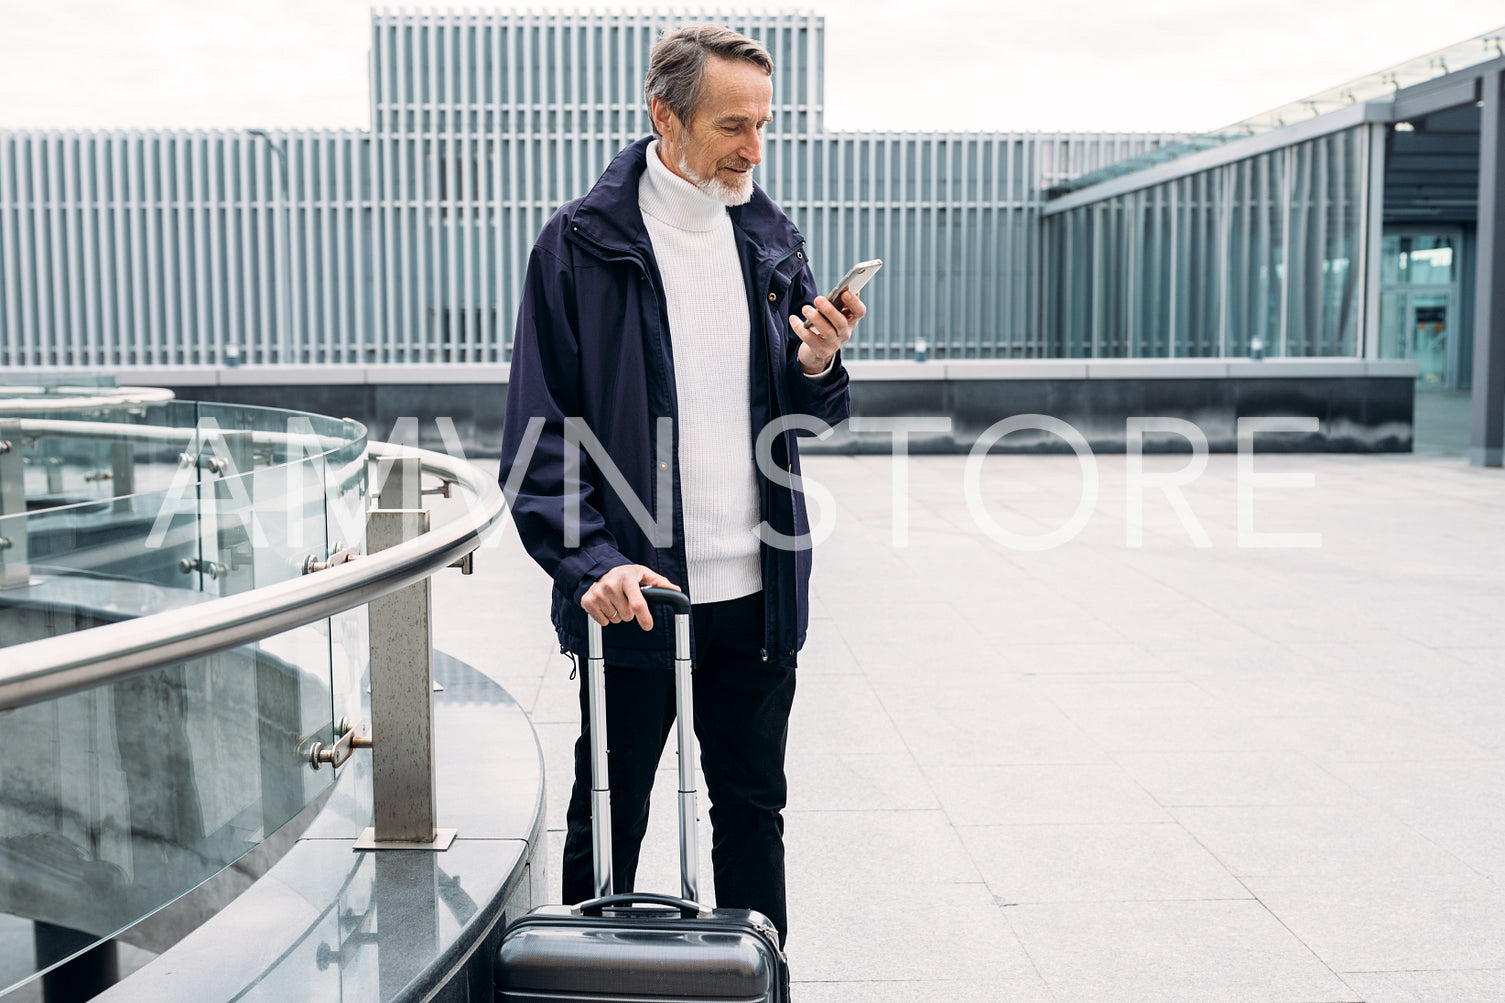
point(312, 563)
point(336, 755)
point(204, 461)
point(443, 489)
point(211, 568)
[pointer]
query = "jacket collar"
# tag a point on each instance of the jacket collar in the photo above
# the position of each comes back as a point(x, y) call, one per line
point(609, 213)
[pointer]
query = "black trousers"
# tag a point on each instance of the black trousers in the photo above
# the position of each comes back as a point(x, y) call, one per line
point(742, 724)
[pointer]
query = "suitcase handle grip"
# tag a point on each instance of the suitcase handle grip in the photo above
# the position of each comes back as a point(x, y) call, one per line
point(687, 909)
point(674, 597)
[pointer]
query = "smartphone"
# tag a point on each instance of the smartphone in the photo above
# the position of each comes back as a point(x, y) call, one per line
point(855, 278)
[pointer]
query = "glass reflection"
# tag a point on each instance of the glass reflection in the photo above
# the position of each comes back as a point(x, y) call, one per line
point(117, 801)
point(1420, 274)
point(1200, 266)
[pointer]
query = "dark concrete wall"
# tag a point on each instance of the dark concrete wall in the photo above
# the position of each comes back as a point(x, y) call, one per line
point(1355, 414)
point(475, 408)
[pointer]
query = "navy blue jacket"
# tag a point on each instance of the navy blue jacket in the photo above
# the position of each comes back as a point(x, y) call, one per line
point(592, 342)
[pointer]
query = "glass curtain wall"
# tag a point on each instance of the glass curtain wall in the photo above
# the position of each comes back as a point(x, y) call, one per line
point(1260, 256)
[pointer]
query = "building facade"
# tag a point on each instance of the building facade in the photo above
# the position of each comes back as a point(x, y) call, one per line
point(1343, 224)
point(406, 243)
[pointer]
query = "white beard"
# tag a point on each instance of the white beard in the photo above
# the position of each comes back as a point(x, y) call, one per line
point(727, 194)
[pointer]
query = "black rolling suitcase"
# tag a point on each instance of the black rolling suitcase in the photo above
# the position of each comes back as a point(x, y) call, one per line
point(640, 947)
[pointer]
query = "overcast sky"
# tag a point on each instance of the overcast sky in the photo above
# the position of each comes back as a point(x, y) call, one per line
point(1172, 65)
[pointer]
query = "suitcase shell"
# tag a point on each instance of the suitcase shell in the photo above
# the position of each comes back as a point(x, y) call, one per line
point(639, 947)
point(639, 954)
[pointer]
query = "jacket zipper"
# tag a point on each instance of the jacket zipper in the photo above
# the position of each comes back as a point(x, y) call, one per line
point(770, 634)
point(771, 640)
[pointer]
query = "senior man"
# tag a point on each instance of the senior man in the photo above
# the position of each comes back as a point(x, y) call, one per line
point(666, 293)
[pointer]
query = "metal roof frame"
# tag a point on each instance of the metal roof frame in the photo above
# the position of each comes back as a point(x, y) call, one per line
point(1449, 91)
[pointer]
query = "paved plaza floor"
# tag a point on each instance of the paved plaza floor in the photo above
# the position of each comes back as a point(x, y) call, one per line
point(1103, 772)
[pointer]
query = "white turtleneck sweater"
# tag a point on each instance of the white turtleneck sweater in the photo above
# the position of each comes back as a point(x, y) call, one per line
point(711, 337)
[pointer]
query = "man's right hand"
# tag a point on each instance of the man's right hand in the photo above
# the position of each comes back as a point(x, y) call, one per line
point(617, 596)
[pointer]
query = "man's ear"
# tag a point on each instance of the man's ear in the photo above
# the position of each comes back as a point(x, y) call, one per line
point(664, 119)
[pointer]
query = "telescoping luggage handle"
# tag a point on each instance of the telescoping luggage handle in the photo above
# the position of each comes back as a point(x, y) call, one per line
point(689, 910)
point(689, 857)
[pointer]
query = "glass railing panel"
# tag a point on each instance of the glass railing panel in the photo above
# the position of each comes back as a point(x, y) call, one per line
point(258, 525)
point(15, 569)
point(136, 540)
point(270, 425)
point(153, 492)
point(259, 528)
point(106, 491)
point(261, 521)
point(70, 455)
point(142, 789)
point(116, 801)
point(346, 498)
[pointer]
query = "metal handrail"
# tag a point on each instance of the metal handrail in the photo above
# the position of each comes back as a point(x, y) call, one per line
point(116, 431)
point(70, 663)
point(15, 401)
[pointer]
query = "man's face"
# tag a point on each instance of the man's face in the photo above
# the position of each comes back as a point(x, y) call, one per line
point(718, 151)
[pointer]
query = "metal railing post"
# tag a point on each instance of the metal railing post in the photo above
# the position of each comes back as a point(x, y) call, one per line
point(123, 474)
point(14, 569)
point(402, 686)
point(398, 483)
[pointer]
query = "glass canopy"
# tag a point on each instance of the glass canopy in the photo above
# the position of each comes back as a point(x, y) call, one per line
point(1382, 83)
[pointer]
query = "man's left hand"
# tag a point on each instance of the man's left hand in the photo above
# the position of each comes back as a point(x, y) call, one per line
point(829, 329)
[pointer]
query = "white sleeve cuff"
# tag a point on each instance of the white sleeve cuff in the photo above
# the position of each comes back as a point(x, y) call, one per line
point(825, 373)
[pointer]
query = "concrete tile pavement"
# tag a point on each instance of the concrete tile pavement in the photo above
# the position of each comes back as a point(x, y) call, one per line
point(1103, 772)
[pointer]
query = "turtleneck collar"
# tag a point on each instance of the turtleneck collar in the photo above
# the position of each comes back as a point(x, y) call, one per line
point(672, 200)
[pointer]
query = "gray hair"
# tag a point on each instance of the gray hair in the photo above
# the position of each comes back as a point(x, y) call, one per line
point(676, 68)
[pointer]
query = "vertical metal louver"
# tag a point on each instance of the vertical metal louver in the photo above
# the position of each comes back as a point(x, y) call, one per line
point(407, 244)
